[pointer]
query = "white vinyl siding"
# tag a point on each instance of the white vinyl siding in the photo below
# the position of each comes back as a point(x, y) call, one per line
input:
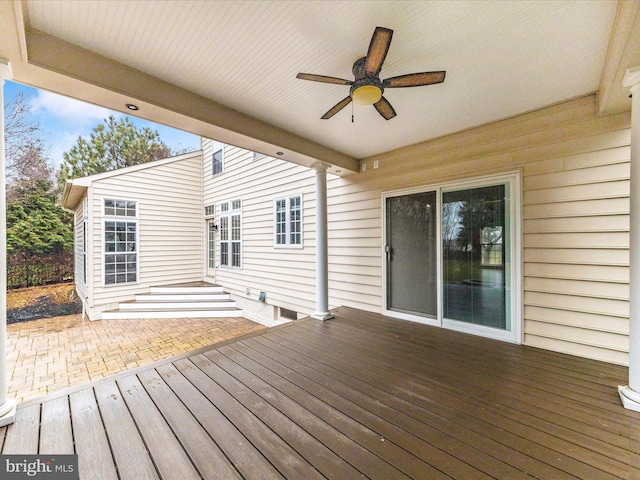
point(170, 222)
point(575, 218)
point(286, 275)
point(287, 222)
point(80, 247)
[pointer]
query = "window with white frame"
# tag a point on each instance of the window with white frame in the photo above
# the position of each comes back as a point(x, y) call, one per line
point(288, 221)
point(120, 227)
point(231, 234)
point(217, 158)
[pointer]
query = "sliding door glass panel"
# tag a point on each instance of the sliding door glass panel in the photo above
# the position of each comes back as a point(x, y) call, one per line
point(412, 254)
point(475, 244)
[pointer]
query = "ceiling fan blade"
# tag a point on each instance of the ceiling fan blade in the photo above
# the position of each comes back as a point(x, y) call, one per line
point(336, 108)
point(378, 49)
point(323, 79)
point(385, 109)
point(414, 79)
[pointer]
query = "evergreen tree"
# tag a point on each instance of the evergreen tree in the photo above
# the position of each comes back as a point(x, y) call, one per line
point(36, 224)
point(111, 145)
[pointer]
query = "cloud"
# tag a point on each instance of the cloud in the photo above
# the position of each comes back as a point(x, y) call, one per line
point(63, 143)
point(69, 111)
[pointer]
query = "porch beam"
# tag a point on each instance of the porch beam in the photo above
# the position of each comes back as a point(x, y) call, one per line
point(322, 251)
point(630, 394)
point(7, 406)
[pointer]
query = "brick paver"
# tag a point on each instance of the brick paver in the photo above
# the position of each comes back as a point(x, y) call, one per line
point(53, 354)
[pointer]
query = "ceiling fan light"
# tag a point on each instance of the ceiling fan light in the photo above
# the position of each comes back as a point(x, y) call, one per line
point(366, 95)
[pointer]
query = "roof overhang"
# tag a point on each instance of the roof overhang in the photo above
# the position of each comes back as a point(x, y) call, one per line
point(73, 194)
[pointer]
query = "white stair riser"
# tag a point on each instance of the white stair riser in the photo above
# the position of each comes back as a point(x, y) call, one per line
point(178, 298)
point(134, 315)
point(177, 305)
point(185, 290)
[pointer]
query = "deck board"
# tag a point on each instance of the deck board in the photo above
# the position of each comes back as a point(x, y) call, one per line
point(56, 436)
point(129, 451)
point(283, 457)
point(328, 425)
point(164, 448)
point(204, 452)
point(92, 446)
point(242, 453)
point(360, 396)
point(23, 439)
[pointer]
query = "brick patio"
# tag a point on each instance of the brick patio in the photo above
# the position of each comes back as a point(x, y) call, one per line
point(54, 354)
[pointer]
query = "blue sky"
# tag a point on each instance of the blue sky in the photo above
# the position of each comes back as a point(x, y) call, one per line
point(63, 120)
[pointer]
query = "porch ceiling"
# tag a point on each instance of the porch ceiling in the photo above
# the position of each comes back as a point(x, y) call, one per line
point(227, 70)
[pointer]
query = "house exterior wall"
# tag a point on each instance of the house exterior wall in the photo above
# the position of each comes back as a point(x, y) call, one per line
point(79, 249)
point(575, 221)
point(170, 228)
point(257, 183)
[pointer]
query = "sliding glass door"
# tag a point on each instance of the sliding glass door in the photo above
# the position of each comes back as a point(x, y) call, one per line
point(411, 254)
point(475, 248)
point(449, 254)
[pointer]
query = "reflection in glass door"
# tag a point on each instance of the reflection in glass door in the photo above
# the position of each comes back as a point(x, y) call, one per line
point(411, 252)
point(475, 248)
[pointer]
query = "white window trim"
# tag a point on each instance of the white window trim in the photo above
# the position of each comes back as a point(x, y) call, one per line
point(85, 237)
point(217, 147)
point(229, 214)
point(287, 199)
point(514, 178)
point(112, 218)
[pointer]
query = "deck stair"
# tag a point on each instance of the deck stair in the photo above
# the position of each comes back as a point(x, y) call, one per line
point(178, 301)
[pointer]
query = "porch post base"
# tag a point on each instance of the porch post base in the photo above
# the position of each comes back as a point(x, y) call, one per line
point(322, 316)
point(8, 413)
point(630, 399)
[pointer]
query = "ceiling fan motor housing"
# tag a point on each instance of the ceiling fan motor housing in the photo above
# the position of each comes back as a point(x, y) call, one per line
point(366, 89)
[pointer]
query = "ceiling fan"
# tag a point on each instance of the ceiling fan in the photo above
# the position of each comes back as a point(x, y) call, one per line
point(367, 88)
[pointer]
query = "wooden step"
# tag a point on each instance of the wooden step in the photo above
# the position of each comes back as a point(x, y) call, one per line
point(162, 313)
point(177, 301)
point(175, 297)
point(177, 305)
point(185, 290)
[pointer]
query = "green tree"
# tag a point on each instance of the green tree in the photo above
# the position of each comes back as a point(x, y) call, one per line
point(111, 145)
point(36, 224)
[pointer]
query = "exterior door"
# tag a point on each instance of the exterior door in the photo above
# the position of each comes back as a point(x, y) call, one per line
point(211, 247)
point(451, 256)
point(475, 252)
point(411, 254)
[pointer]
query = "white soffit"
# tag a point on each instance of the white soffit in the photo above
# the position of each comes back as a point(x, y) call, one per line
point(502, 57)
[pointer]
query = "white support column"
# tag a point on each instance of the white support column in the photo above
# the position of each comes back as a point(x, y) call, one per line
point(630, 394)
point(7, 406)
point(322, 251)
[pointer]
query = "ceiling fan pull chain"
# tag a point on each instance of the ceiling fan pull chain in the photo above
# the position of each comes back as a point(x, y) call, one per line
point(351, 112)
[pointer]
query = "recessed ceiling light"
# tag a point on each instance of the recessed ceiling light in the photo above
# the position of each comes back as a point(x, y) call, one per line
point(133, 107)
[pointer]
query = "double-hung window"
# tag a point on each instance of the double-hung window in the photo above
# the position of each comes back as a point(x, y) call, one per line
point(120, 259)
point(288, 221)
point(217, 158)
point(231, 233)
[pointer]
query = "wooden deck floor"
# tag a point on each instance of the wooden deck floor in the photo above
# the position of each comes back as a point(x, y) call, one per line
point(361, 396)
